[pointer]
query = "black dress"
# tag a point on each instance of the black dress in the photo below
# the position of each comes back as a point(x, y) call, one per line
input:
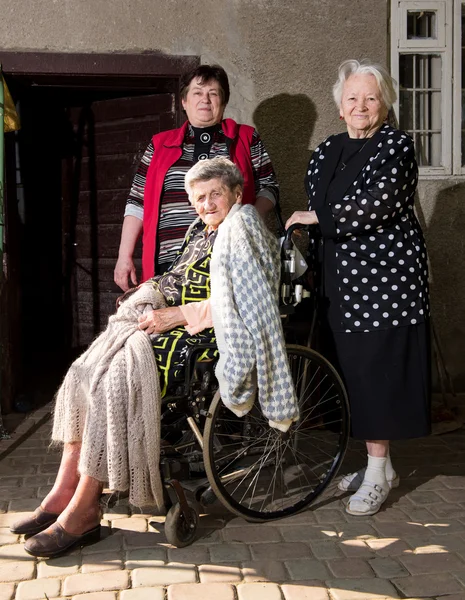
point(387, 371)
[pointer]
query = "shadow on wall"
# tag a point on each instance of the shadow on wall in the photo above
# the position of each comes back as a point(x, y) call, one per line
point(446, 250)
point(286, 124)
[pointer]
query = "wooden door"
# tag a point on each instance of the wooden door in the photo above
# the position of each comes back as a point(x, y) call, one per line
point(110, 138)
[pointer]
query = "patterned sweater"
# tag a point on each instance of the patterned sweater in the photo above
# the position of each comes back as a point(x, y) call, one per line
point(244, 302)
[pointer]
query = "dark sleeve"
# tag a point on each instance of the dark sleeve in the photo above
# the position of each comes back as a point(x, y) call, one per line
point(387, 189)
point(324, 214)
point(388, 185)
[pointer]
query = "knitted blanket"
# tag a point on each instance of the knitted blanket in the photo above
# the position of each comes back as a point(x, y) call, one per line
point(110, 401)
point(244, 273)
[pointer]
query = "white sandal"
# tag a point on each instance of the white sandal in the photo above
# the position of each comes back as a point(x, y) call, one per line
point(352, 481)
point(369, 496)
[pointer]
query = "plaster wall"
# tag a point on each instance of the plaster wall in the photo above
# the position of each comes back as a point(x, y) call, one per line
point(281, 57)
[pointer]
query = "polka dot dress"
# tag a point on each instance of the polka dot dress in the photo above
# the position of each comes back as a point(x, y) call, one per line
point(374, 280)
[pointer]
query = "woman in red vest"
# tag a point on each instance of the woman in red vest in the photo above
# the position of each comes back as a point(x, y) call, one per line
point(158, 206)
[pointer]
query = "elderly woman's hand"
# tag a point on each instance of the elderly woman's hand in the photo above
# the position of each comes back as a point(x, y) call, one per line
point(161, 320)
point(304, 217)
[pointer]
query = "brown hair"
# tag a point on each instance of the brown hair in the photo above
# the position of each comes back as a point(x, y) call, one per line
point(206, 73)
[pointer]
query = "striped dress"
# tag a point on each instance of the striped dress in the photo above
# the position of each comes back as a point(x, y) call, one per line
point(176, 212)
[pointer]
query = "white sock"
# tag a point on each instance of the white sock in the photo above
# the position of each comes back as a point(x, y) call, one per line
point(376, 471)
point(390, 473)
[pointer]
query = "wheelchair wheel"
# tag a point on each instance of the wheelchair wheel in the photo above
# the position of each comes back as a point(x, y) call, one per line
point(178, 531)
point(260, 473)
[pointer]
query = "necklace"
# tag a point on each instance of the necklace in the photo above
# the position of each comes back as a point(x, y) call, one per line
point(344, 165)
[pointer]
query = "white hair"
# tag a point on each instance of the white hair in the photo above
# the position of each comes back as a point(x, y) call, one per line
point(213, 168)
point(353, 67)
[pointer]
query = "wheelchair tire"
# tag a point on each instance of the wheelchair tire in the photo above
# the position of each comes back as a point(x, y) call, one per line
point(260, 473)
point(178, 531)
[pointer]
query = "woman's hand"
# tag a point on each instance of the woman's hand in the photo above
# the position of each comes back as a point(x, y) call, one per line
point(161, 320)
point(304, 217)
point(125, 270)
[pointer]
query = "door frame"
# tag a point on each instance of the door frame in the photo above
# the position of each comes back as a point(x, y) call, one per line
point(87, 70)
point(78, 69)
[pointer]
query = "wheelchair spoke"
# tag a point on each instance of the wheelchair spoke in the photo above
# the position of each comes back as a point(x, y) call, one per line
point(260, 474)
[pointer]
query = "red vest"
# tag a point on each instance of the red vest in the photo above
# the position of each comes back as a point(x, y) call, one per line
point(167, 150)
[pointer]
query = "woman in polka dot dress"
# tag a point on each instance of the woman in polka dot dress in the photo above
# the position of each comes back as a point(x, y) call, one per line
point(374, 275)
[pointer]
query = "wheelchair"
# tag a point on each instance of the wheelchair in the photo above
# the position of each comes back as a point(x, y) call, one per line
point(257, 472)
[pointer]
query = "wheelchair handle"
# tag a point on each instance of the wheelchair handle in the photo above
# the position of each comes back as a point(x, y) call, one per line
point(287, 243)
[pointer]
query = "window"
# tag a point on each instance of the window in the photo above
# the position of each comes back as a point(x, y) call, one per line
point(428, 62)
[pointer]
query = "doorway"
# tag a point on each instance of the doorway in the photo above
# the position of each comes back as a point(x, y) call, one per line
point(69, 169)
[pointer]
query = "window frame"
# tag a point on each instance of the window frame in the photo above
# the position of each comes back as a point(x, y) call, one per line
point(448, 46)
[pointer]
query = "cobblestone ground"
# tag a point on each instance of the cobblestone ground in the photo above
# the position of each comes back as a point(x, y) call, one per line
point(415, 547)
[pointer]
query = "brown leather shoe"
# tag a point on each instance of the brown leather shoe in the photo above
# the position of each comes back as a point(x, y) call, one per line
point(55, 540)
point(37, 522)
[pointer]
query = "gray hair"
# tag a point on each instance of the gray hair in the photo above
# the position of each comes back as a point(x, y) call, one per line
point(214, 168)
point(386, 83)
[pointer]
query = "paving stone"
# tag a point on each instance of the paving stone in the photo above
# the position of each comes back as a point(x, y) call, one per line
point(418, 514)
point(453, 482)
point(305, 533)
point(356, 531)
point(310, 590)
point(445, 526)
point(118, 512)
point(59, 567)
point(432, 563)
point(259, 591)
point(191, 554)
point(305, 518)
point(18, 493)
point(109, 543)
point(37, 589)
point(95, 582)
point(7, 591)
point(387, 568)
point(145, 557)
point(210, 536)
point(404, 530)
point(6, 537)
point(14, 552)
point(424, 497)
point(454, 597)
point(356, 549)
point(361, 589)
point(280, 551)
point(219, 574)
point(134, 539)
point(252, 533)
point(234, 552)
point(432, 485)
point(330, 516)
point(264, 570)
point(390, 514)
point(24, 504)
point(164, 575)
point(448, 511)
point(450, 543)
point(96, 596)
point(452, 495)
point(105, 561)
point(430, 549)
point(130, 524)
point(16, 570)
point(427, 585)
point(350, 567)
point(322, 549)
point(152, 593)
point(306, 568)
point(212, 591)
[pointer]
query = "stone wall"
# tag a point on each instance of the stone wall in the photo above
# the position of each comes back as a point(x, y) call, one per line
point(281, 56)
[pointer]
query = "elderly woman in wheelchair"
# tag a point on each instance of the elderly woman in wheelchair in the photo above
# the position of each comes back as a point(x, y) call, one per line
point(110, 408)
